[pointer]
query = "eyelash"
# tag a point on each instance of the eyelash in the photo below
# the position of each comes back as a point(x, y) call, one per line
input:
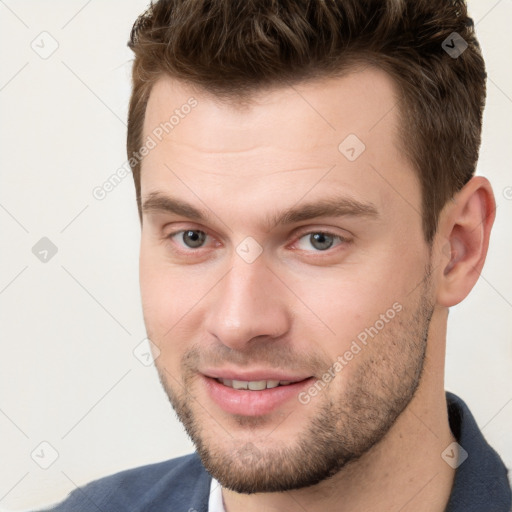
point(342, 240)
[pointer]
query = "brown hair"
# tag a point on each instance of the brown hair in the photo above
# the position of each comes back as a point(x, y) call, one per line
point(234, 47)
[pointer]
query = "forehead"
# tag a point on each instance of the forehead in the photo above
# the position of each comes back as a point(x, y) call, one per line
point(324, 109)
point(284, 139)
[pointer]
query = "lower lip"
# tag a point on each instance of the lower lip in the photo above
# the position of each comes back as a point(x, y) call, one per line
point(253, 403)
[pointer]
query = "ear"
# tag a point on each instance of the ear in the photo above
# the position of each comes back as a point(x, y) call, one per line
point(464, 227)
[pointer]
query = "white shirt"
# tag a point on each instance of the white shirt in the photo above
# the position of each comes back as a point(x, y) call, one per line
point(215, 503)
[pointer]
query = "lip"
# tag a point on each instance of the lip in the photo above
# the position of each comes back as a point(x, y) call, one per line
point(252, 375)
point(252, 403)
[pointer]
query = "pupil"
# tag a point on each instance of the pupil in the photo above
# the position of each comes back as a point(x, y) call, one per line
point(194, 238)
point(321, 241)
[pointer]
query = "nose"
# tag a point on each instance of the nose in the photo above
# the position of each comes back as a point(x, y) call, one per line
point(248, 303)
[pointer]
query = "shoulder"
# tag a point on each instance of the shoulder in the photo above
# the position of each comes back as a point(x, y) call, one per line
point(481, 478)
point(183, 480)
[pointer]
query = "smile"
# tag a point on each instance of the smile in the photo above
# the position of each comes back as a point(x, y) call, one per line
point(254, 397)
point(254, 385)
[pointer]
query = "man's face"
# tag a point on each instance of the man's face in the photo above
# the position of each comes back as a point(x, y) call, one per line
point(274, 248)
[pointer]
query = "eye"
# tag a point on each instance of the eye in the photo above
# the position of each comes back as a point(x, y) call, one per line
point(319, 240)
point(189, 238)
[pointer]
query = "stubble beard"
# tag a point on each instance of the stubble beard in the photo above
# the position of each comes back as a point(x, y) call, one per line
point(341, 428)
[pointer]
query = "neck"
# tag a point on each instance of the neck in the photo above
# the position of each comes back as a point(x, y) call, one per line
point(404, 471)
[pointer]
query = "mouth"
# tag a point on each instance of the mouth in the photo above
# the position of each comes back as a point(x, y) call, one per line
point(254, 397)
point(254, 385)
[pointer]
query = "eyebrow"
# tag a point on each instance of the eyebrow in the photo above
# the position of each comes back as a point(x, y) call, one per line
point(326, 207)
point(157, 202)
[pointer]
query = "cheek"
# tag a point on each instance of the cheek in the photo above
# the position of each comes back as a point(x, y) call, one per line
point(173, 297)
point(163, 306)
point(161, 294)
point(343, 305)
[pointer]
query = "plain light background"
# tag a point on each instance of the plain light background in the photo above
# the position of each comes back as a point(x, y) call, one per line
point(69, 377)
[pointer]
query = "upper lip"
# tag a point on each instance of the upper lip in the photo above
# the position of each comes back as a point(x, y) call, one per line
point(253, 375)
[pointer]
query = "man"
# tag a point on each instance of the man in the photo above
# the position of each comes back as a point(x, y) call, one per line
point(305, 180)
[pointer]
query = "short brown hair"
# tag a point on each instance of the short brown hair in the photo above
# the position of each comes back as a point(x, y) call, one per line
point(234, 47)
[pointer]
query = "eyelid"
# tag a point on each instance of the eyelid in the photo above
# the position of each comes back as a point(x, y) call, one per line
point(173, 228)
point(308, 230)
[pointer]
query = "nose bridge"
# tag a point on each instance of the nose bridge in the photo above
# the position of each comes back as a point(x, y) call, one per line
point(247, 304)
point(247, 287)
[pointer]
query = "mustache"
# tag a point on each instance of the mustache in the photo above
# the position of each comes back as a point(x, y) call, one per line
point(270, 355)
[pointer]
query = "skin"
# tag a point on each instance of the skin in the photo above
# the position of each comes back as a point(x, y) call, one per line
point(372, 438)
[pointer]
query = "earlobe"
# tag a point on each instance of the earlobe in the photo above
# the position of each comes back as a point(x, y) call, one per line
point(466, 224)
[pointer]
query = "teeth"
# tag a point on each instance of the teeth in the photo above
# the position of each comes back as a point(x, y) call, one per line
point(257, 385)
point(239, 384)
point(254, 385)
